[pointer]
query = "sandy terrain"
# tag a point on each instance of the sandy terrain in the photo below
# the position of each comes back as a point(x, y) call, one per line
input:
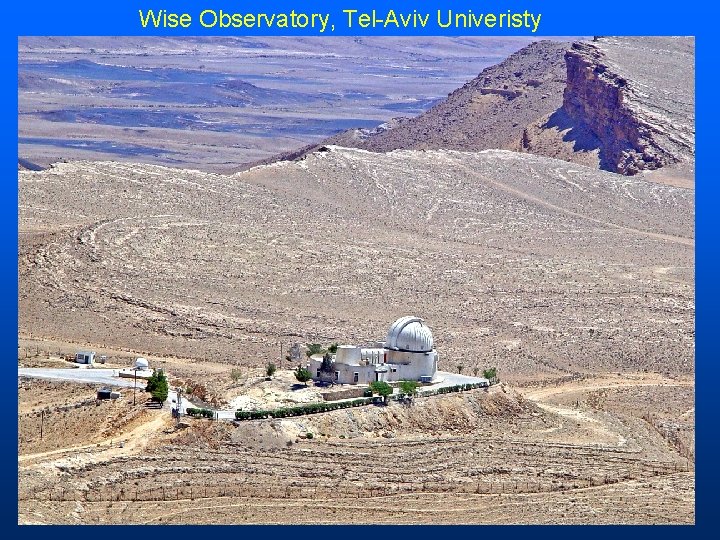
point(577, 284)
point(479, 457)
point(540, 267)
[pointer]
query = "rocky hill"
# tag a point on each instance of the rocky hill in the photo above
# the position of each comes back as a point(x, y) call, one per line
point(529, 263)
point(624, 105)
point(490, 111)
point(630, 101)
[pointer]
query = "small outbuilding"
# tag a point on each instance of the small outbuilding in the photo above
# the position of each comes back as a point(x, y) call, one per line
point(85, 357)
point(141, 364)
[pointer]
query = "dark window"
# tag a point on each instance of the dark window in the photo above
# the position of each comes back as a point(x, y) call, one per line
point(337, 375)
point(318, 374)
point(356, 377)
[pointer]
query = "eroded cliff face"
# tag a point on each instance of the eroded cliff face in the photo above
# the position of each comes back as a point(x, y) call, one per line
point(622, 104)
point(632, 137)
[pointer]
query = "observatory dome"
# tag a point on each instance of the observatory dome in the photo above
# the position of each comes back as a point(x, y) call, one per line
point(141, 363)
point(409, 334)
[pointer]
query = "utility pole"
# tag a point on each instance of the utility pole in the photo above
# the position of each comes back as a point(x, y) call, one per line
point(179, 405)
point(135, 390)
point(42, 421)
point(281, 355)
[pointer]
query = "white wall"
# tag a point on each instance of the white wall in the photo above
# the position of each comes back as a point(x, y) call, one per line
point(400, 366)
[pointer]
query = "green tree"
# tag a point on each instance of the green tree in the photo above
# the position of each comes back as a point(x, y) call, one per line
point(302, 374)
point(270, 369)
point(408, 388)
point(490, 374)
point(158, 387)
point(314, 348)
point(151, 382)
point(381, 388)
point(332, 349)
point(327, 368)
point(460, 368)
point(476, 370)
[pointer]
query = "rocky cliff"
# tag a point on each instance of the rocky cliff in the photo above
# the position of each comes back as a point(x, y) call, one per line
point(635, 131)
point(624, 105)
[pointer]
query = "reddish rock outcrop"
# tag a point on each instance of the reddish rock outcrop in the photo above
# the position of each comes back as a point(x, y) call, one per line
point(600, 99)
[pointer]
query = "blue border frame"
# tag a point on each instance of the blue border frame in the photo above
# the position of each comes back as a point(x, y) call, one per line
point(606, 17)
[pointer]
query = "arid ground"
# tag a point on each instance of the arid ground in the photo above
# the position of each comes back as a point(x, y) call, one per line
point(576, 283)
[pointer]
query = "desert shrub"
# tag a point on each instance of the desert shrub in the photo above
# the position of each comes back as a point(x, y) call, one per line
point(236, 375)
point(408, 387)
point(314, 348)
point(270, 369)
point(309, 435)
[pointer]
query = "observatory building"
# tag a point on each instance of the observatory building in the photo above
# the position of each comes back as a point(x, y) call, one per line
point(140, 370)
point(407, 353)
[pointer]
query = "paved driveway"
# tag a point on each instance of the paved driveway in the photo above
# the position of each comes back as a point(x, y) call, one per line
point(102, 376)
point(99, 376)
point(452, 379)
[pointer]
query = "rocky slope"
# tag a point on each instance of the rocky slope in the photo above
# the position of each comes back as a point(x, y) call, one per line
point(525, 262)
point(624, 105)
point(490, 111)
point(632, 99)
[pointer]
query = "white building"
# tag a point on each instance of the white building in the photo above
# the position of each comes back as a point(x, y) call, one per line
point(85, 357)
point(406, 354)
point(141, 364)
point(139, 370)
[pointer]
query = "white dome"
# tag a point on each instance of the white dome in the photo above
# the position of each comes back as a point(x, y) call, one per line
point(409, 334)
point(141, 363)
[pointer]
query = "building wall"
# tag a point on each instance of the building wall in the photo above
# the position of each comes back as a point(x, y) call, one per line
point(85, 357)
point(400, 366)
point(413, 365)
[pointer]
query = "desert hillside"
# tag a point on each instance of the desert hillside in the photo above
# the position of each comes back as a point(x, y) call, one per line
point(620, 104)
point(490, 216)
point(531, 263)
